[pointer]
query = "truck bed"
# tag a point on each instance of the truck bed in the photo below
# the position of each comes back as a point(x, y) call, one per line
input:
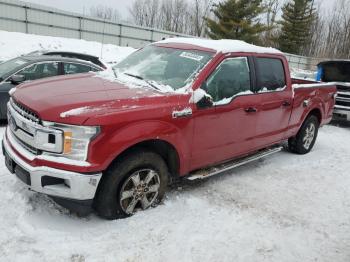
point(307, 94)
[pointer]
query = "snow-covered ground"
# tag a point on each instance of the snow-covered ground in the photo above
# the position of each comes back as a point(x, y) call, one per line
point(284, 208)
point(14, 44)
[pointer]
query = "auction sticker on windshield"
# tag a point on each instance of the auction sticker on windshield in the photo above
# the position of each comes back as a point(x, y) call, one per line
point(191, 56)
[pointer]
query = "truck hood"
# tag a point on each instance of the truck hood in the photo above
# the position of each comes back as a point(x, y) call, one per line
point(73, 99)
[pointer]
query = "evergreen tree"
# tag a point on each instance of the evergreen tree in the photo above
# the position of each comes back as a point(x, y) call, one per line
point(236, 19)
point(297, 19)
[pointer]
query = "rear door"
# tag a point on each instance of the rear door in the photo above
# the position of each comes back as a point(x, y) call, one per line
point(276, 99)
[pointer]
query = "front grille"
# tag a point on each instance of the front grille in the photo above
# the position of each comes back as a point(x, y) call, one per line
point(343, 88)
point(343, 103)
point(343, 97)
point(30, 148)
point(23, 111)
point(26, 130)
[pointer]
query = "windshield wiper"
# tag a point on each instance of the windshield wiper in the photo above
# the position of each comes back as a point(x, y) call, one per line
point(115, 73)
point(141, 78)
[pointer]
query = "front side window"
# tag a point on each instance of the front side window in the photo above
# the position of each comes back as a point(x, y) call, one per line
point(38, 71)
point(270, 74)
point(230, 78)
point(70, 68)
point(165, 66)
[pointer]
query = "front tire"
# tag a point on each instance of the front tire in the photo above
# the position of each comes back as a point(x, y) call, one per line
point(305, 140)
point(135, 182)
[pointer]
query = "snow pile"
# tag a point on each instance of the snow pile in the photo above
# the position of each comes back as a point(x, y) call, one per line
point(303, 74)
point(223, 45)
point(285, 207)
point(14, 44)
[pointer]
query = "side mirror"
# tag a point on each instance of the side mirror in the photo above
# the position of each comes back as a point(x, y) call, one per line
point(17, 79)
point(206, 101)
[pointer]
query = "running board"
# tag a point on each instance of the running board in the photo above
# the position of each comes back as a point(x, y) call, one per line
point(212, 171)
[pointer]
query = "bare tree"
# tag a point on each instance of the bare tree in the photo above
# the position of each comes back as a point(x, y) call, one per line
point(273, 8)
point(199, 9)
point(145, 12)
point(182, 16)
point(105, 13)
point(331, 33)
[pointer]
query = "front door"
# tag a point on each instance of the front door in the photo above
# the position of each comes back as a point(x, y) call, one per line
point(227, 129)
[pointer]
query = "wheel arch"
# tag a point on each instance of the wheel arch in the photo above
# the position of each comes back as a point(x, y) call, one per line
point(315, 112)
point(163, 148)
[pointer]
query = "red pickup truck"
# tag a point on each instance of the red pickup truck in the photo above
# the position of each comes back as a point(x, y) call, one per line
point(177, 108)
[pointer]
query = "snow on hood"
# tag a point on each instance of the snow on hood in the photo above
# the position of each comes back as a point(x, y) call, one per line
point(93, 109)
point(223, 45)
point(78, 111)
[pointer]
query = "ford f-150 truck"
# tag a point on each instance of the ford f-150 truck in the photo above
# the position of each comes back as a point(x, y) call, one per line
point(177, 108)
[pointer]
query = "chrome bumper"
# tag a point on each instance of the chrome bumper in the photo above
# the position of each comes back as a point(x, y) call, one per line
point(342, 112)
point(69, 185)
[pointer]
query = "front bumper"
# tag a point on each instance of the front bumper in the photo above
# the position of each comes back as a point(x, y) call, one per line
point(52, 181)
point(341, 113)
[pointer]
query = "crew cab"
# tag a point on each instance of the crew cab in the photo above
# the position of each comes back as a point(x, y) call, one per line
point(178, 108)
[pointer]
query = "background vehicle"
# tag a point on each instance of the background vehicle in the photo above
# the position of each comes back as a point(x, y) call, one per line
point(28, 68)
point(93, 59)
point(177, 108)
point(338, 71)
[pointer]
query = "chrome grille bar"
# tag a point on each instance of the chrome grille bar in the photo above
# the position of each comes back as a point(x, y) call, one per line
point(26, 113)
point(30, 134)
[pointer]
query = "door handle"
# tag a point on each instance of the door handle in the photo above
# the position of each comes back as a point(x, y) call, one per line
point(286, 103)
point(251, 110)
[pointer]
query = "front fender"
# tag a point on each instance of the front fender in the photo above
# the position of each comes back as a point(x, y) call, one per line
point(111, 143)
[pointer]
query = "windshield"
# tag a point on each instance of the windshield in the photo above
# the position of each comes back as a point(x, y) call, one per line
point(166, 66)
point(10, 65)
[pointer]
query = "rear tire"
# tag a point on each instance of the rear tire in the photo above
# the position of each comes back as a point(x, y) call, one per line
point(305, 140)
point(135, 182)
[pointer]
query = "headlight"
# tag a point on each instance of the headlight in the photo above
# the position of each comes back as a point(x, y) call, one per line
point(75, 140)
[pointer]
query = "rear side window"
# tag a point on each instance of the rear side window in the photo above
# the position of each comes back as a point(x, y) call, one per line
point(270, 74)
point(70, 68)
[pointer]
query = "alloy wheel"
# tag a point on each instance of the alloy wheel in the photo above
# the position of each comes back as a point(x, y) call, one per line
point(139, 191)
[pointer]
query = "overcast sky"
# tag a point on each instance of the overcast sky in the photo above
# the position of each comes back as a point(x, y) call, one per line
point(83, 6)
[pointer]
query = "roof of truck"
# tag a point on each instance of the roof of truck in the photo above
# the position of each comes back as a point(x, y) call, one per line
point(223, 45)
